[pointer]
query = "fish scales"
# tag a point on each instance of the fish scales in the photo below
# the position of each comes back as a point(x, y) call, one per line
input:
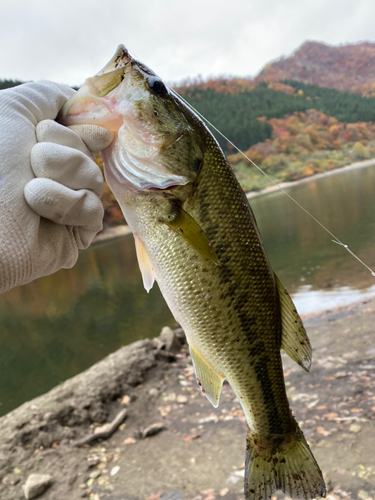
point(196, 234)
point(236, 307)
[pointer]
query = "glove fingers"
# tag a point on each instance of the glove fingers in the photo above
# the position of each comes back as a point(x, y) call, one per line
point(96, 138)
point(65, 206)
point(83, 237)
point(51, 131)
point(85, 138)
point(66, 166)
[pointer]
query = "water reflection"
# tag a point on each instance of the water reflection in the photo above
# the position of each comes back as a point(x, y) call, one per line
point(301, 252)
point(60, 325)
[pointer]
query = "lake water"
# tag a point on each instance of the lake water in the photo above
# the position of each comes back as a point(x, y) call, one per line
point(60, 325)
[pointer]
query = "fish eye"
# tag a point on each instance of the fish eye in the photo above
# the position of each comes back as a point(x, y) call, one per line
point(157, 86)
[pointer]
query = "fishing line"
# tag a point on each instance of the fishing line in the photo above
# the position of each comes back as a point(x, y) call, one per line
point(335, 240)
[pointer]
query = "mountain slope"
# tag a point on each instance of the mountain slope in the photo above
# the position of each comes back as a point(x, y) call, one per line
point(237, 114)
point(350, 68)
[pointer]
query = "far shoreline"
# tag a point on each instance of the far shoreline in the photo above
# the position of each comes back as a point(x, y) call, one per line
point(124, 230)
point(327, 173)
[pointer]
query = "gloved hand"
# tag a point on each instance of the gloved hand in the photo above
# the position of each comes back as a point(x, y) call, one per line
point(50, 187)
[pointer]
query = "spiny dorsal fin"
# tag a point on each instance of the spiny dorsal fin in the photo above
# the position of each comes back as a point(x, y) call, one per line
point(144, 262)
point(294, 339)
point(184, 224)
point(208, 379)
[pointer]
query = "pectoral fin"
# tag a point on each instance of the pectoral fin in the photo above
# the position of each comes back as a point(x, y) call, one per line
point(208, 379)
point(144, 262)
point(294, 339)
point(184, 225)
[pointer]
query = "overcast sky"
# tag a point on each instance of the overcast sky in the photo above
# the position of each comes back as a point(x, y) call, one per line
point(67, 41)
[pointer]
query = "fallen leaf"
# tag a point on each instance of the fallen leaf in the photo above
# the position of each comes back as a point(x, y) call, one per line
point(171, 397)
point(224, 492)
point(164, 410)
point(330, 416)
point(330, 378)
point(320, 430)
point(355, 428)
point(356, 410)
point(155, 496)
point(181, 399)
point(114, 470)
point(363, 495)
point(323, 407)
point(125, 400)
point(189, 438)
point(129, 441)
point(211, 418)
point(341, 374)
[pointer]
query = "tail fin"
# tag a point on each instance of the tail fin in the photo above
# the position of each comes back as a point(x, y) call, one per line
point(290, 468)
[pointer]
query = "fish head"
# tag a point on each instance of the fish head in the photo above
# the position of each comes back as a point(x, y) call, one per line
point(157, 144)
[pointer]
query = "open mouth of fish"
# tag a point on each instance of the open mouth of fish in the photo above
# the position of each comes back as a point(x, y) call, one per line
point(107, 99)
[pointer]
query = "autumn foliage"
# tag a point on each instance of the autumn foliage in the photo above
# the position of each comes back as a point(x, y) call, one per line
point(303, 144)
point(349, 68)
point(221, 85)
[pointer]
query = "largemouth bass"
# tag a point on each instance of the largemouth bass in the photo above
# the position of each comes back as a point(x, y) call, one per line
point(195, 233)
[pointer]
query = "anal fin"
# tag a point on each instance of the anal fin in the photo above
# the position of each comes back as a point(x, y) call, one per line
point(208, 379)
point(144, 262)
point(294, 339)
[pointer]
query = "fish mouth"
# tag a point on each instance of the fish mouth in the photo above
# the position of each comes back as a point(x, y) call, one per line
point(120, 59)
point(88, 104)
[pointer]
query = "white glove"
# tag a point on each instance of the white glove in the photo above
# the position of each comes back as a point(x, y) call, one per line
point(50, 187)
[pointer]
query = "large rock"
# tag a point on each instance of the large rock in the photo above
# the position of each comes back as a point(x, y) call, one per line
point(36, 485)
point(76, 402)
point(170, 339)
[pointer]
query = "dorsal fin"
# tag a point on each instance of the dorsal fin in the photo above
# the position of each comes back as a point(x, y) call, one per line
point(294, 339)
point(144, 262)
point(208, 379)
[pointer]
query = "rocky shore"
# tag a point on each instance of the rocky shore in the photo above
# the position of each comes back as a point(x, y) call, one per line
point(135, 426)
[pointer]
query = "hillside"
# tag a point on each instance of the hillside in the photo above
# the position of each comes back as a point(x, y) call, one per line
point(304, 114)
point(350, 68)
point(236, 112)
point(6, 84)
point(304, 144)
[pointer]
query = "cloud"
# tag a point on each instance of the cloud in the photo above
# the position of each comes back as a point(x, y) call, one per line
point(68, 41)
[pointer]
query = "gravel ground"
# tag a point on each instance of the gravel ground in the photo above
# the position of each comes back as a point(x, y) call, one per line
point(172, 444)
